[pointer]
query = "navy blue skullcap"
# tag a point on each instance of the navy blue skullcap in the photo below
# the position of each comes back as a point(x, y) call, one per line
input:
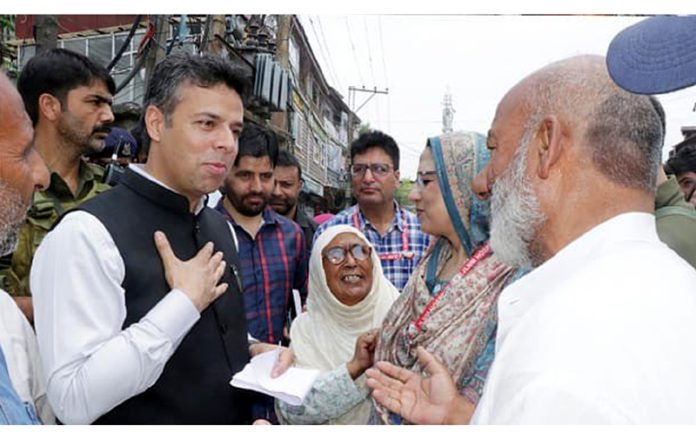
point(656, 55)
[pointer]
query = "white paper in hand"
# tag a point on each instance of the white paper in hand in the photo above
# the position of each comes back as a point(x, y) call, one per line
point(291, 387)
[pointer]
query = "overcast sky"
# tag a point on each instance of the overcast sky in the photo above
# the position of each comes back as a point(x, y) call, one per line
point(419, 55)
point(478, 57)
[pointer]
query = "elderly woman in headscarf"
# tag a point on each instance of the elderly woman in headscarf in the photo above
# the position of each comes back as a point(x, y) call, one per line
point(449, 303)
point(348, 296)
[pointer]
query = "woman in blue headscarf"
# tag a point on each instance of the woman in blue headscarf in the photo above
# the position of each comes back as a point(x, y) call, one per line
point(448, 305)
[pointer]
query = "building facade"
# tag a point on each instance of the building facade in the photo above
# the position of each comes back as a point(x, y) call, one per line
point(290, 93)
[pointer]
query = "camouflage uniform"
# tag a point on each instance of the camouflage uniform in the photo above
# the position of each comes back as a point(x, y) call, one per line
point(46, 208)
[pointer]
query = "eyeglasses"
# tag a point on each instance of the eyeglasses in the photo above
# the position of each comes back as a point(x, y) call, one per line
point(336, 255)
point(419, 182)
point(378, 169)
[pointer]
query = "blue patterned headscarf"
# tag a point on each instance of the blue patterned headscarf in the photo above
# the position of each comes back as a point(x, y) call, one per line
point(459, 157)
point(461, 325)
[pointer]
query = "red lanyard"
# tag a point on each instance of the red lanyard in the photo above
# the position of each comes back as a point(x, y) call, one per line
point(405, 253)
point(480, 254)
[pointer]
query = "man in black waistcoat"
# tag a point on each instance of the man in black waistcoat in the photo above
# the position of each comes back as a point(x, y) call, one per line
point(136, 330)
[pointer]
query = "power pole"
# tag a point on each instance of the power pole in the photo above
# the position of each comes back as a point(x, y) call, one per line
point(156, 53)
point(351, 104)
point(217, 26)
point(284, 25)
point(46, 33)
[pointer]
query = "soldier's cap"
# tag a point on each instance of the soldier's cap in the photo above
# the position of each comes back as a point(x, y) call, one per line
point(655, 55)
point(118, 136)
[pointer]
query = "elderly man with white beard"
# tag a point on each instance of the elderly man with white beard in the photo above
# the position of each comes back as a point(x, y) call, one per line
point(22, 171)
point(602, 330)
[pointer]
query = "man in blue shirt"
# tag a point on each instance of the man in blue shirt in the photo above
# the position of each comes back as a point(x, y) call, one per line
point(271, 247)
point(395, 232)
point(12, 409)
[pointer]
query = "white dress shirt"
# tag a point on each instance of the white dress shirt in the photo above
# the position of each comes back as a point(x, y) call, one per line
point(603, 332)
point(91, 363)
point(18, 343)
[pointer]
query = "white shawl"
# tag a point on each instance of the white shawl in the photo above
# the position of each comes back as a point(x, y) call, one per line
point(324, 337)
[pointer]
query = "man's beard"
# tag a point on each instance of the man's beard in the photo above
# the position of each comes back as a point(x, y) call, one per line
point(282, 206)
point(86, 142)
point(515, 213)
point(14, 212)
point(240, 204)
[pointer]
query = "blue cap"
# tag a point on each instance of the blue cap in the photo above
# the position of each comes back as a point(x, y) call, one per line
point(656, 55)
point(128, 148)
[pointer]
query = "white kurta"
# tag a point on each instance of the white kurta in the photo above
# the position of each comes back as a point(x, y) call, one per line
point(18, 343)
point(91, 363)
point(603, 332)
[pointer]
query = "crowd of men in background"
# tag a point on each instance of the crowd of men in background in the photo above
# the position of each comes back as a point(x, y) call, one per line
point(121, 202)
point(75, 132)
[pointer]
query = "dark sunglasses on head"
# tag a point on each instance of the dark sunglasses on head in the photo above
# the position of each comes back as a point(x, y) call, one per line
point(336, 255)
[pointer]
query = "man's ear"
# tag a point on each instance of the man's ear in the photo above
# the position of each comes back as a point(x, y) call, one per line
point(49, 107)
point(397, 174)
point(154, 122)
point(550, 146)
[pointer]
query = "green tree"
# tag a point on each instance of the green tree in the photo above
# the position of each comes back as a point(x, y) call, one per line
point(402, 192)
point(364, 127)
point(6, 28)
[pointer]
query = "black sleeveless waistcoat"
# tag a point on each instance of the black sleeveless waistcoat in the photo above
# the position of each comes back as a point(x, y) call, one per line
point(194, 385)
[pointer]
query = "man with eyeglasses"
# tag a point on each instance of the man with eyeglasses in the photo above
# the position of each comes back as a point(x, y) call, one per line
point(394, 232)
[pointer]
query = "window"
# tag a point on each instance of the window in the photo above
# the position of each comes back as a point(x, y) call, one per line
point(100, 49)
point(301, 129)
point(78, 45)
point(294, 57)
point(309, 86)
point(25, 54)
point(135, 90)
point(316, 150)
point(293, 121)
